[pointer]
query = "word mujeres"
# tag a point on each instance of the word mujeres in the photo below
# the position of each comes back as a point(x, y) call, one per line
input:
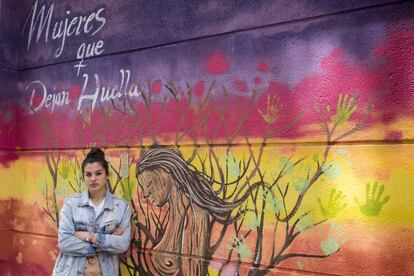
point(41, 25)
point(42, 98)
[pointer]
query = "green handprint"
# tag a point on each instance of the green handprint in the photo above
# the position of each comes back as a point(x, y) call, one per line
point(287, 165)
point(240, 247)
point(65, 168)
point(276, 204)
point(344, 109)
point(300, 264)
point(334, 205)
point(331, 170)
point(126, 189)
point(124, 159)
point(232, 164)
point(374, 204)
point(333, 242)
point(252, 222)
point(330, 246)
point(305, 224)
point(301, 184)
point(79, 179)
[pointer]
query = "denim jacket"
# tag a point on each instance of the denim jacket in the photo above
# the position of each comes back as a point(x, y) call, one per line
point(78, 215)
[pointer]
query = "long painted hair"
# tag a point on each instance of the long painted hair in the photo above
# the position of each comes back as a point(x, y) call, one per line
point(191, 182)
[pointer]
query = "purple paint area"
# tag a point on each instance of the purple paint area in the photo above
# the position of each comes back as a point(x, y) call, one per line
point(9, 34)
point(131, 25)
point(8, 109)
point(360, 53)
point(314, 61)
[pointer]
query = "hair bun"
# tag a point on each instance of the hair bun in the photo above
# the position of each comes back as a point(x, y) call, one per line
point(96, 153)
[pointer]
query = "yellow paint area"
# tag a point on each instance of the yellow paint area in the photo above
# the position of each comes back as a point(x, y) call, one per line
point(349, 170)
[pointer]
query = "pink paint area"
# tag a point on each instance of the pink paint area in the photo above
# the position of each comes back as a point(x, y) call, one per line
point(156, 87)
point(382, 175)
point(217, 64)
point(7, 158)
point(257, 80)
point(277, 110)
point(7, 126)
point(37, 99)
point(199, 88)
point(263, 67)
point(394, 135)
point(396, 95)
point(240, 85)
point(320, 93)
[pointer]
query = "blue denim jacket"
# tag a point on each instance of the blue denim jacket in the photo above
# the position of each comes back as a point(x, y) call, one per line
point(78, 215)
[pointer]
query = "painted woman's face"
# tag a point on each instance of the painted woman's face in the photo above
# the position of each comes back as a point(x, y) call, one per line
point(95, 177)
point(156, 185)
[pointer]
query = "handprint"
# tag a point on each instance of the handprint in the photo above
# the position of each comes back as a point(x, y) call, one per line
point(331, 170)
point(270, 114)
point(305, 223)
point(334, 205)
point(374, 203)
point(287, 165)
point(301, 184)
point(241, 247)
point(333, 242)
point(127, 190)
point(124, 171)
point(65, 168)
point(230, 160)
point(344, 109)
point(276, 204)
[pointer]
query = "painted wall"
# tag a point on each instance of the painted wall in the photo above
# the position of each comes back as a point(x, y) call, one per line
point(286, 127)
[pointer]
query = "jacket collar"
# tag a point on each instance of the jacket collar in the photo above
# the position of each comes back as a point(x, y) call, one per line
point(109, 201)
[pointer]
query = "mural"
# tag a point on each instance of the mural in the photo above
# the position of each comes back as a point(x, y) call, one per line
point(276, 145)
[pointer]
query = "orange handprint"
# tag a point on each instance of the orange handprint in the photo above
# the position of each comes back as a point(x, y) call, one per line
point(270, 114)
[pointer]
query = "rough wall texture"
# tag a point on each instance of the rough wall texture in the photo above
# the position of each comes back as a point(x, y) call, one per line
point(293, 121)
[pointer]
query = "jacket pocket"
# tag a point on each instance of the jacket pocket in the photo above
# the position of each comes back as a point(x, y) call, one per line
point(109, 227)
point(80, 226)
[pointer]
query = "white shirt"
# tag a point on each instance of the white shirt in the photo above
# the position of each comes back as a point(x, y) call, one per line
point(97, 208)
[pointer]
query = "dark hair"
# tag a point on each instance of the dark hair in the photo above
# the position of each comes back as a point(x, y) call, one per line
point(193, 183)
point(95, 155)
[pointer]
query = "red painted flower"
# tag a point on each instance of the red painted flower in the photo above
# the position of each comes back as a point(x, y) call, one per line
point(263, 67)
point(217, 64)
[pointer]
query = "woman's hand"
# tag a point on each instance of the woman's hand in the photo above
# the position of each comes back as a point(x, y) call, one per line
point(91, 237)
point(82, 235)
point(118, 231)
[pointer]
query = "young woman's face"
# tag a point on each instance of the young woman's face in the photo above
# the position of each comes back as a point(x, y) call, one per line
point(95, 177)
point(156, 185)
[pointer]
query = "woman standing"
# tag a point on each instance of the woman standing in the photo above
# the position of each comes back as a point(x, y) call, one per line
point(94, 225)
